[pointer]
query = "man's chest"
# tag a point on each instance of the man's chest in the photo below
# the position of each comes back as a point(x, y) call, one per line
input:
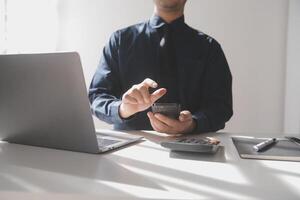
point(141, 59)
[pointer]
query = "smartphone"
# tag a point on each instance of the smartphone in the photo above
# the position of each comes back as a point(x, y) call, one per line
point(171, 110)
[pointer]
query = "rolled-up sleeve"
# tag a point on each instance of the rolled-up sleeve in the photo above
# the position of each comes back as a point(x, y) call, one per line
point(105, 88)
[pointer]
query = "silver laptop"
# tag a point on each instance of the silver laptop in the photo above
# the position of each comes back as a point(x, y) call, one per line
point(44, 102)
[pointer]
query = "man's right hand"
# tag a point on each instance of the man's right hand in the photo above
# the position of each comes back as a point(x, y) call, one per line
point(138, 98)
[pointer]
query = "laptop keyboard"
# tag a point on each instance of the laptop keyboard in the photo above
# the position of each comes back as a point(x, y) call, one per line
point(106, 142)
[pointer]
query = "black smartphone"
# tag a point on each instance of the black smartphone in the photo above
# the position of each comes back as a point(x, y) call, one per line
point(171, 110)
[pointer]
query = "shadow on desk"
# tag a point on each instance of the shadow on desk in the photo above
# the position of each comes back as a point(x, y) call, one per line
point(79, 172)
point(95, 167)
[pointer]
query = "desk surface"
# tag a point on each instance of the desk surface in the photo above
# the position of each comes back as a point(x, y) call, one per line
point(144, 170)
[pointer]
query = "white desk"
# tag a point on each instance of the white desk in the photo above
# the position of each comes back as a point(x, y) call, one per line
point(144, 170)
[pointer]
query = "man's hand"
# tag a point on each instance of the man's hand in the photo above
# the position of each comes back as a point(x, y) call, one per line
point(138, 98)
point(163, 124)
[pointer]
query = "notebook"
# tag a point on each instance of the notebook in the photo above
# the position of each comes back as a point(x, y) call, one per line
point(283, 149)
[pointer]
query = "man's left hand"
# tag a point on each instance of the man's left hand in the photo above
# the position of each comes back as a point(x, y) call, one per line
point(164, 124)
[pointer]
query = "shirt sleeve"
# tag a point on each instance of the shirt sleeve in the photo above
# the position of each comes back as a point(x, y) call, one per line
point(216, 109)
point(105, 88)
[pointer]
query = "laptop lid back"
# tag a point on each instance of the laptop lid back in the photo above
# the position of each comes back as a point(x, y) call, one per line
point(43, 102)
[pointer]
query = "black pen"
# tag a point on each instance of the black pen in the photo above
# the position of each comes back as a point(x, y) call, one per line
point(264, 144)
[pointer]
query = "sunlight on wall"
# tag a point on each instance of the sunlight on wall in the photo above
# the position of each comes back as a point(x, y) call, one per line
point(2, 25)
point(31, 26)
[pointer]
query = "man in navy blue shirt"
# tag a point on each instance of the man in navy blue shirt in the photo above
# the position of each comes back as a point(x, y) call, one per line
point(162, 59)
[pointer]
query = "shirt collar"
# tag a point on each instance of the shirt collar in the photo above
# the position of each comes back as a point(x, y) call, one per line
point(157, 22)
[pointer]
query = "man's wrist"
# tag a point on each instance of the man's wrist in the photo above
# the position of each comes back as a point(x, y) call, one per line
point(193, 126)
point(123, 112)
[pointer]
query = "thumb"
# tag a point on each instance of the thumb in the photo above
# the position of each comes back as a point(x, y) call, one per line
point(158, 94)
point(185, 116)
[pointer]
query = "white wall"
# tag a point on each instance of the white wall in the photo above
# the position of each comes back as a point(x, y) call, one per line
point(2, 26)
point(87, 25)
point(30, 26)
point(252, 33)
point(292, 100)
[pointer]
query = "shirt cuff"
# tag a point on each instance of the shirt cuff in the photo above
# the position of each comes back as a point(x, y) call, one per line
point(115, 106)
point(202, 122)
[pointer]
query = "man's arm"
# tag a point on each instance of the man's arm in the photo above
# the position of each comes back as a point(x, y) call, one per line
point(105, 93)
point(105, 88)
point(216, 101)
point(217, 93)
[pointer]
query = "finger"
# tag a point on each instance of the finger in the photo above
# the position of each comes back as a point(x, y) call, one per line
point(185, 116)
point(150, 116)
point(213, 140)
point(160, 125)
point(186, 112)
point(176, 135)
point(129, 100)
point(150, 83)
point(145, 93)
point(158, 94)
point(164, 128)
point(152, 123)
point(135, 93)
point(166, 120)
